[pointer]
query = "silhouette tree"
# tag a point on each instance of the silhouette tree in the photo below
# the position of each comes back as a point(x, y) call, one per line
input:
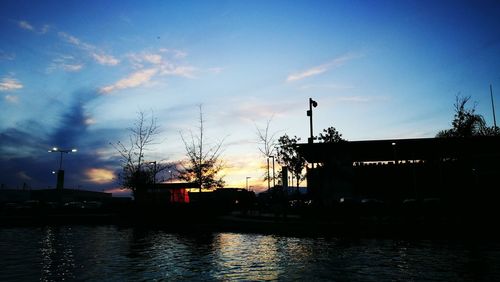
point(288, 156)
point(137, 173)
point(466, 123)
point(204, 164)
point(331, 135)
point(267, 143)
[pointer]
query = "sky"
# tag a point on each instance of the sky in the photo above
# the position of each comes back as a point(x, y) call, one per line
point(74, 74)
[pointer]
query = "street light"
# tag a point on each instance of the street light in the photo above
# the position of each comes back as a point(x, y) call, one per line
point(60, 172)
point(394, 152)
point(248, 177)
point(274, 178)
point(309, 113)
point(154, 173)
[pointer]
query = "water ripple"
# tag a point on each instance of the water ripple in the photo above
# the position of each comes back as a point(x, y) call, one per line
point(110, 253)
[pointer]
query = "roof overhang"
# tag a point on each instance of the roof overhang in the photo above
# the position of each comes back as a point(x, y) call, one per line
point(401, 149)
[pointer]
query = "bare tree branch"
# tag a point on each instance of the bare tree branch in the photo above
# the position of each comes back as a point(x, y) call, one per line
point(137, 173)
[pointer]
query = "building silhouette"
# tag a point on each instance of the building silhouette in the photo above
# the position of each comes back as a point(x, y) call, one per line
point(459, 173)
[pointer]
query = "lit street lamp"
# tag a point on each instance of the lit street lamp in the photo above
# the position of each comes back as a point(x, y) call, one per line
point(394, 152)
point(60, 172)
point(154, 173)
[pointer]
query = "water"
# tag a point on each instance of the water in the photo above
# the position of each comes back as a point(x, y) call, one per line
point(111, 253)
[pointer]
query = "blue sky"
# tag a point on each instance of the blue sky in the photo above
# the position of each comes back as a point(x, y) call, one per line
point(75, 73)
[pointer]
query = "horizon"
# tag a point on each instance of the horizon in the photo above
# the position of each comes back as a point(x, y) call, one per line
point(74, 75)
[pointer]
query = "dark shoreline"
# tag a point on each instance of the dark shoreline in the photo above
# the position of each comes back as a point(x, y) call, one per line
point(289, 226)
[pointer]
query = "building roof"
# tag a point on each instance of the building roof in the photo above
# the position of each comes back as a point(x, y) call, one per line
point(402, 149)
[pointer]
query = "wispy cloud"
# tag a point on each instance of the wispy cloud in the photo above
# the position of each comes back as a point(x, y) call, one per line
point(65, 63)
point(322, 68)
point(139, 60)
point(178, 54)
point(27, 26)
point(360, 99)
point(12, 99)
point(104, 59)
point(4, 56)
point(148, 65)
point(185, 71)
point(95, 53)
point(329, 86)
point(215, 70)
point(135, 79)
point(23, 175)
point(9, 84)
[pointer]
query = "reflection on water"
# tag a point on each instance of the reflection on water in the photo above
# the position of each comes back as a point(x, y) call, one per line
point(55, 253)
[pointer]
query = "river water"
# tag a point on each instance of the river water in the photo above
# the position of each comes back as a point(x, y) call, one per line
point(111, 253)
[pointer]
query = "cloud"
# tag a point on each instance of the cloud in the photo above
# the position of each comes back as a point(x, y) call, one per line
point(24, 176)
point(361, 99)
point(4, 56)
point(73, 123)
point(24, 157)
point(12, 99)
point(75, 41)
point(95, 53)
point(215, 70)
point(322, 68)
point(326, 86)
point(135, 79)
point(139, 59)
point(178, 54)
point(72, 68)
point(148, 65)
point(100, 175)
point(9, 84)
point(104, 59)
point(65, 63)
point(153, 58)
point(27, 26)
point(185, 71)
point(310, 72)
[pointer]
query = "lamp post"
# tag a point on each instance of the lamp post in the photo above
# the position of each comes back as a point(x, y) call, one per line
point(274, 178)
point(394, 152)
point(60, 172)
point(154, 174)
point(248, 177)
point(309, 113)
point(268, 176)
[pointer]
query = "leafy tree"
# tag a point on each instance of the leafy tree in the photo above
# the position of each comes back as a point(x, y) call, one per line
point(289, 156)
point(137, 173)
point(331, 135)
point(204, 163)
point(267, 143)
point(466, 123)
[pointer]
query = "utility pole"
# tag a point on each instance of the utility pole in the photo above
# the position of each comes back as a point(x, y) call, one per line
point(274, 177)
point(248, 177)
point(268, 176)
point(493, 107)
point(154, 174)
